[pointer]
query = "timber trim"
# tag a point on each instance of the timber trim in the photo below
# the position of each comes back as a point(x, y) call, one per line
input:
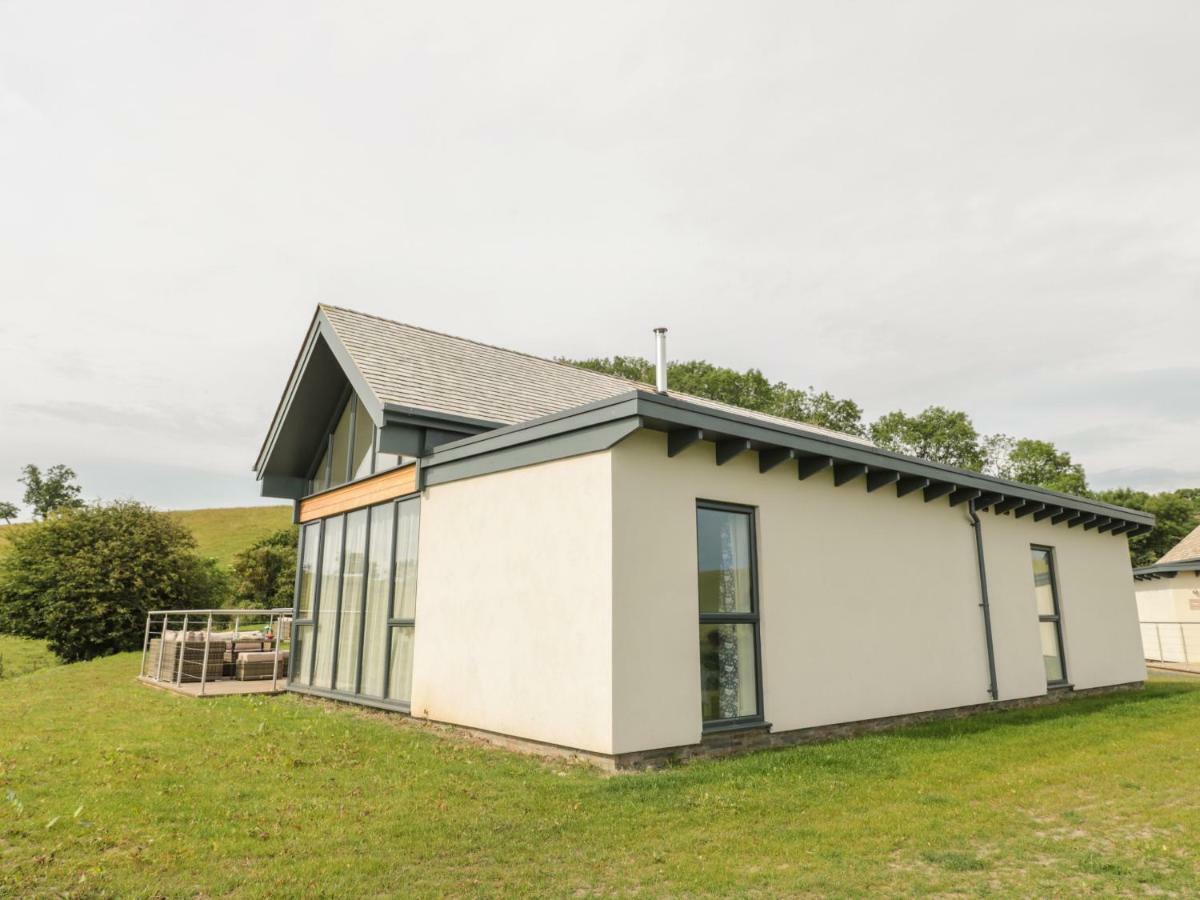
point(365, 492)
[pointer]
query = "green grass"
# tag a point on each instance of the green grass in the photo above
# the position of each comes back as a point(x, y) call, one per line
point(220, 533)
point(111, 788)
point(19, 656)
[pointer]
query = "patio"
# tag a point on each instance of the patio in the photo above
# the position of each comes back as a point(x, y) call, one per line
point(216, 652)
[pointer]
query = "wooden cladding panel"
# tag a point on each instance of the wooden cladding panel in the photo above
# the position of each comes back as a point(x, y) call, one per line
point(367, 492)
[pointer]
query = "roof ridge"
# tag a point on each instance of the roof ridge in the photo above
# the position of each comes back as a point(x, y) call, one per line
point(466, 340)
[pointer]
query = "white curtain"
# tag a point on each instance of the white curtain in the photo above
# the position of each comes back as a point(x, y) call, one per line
point(352, 600)
point(331, 576)
point(379, 571)
point(404, 604)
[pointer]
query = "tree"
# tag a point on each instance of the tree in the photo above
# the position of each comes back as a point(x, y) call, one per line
point(1037, 463)
point(265, 573)
point(937, 434)
point(9, 511)
point(749, 390)
point(85, 578)
point(54, 490)
point(1175, 514)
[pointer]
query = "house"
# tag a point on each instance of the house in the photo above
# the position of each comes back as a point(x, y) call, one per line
point(568, 561)
point(1168, 601)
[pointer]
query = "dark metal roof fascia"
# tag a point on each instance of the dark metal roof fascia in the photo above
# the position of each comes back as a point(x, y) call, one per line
point(1187, 565)
point(671, 411)
point(664, 413)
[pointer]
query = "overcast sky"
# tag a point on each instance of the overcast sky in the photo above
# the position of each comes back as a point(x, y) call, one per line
point(990, 206)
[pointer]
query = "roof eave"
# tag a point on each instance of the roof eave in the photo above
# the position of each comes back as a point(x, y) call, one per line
point(663, 412)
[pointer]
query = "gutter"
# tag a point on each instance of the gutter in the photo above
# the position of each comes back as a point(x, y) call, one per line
point(977, 525)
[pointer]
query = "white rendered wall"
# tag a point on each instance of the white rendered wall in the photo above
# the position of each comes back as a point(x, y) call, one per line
point(1170, 600)
point(514, 604)
point(869, 604)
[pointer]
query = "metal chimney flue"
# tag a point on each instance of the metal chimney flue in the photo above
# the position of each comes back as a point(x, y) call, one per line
point(660, 360)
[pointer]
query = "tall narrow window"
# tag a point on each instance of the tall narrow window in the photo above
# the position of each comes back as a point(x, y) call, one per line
point(306, 592)
point(729, 683)
point(1045, 590)
point(364, 439)
point(404, 601)
point(339, 449)
point(350, 618)
point(327, 603)
point(379, 573)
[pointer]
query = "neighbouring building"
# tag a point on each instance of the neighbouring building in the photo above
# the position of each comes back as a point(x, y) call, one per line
point(567, 560)
point(1168, 600)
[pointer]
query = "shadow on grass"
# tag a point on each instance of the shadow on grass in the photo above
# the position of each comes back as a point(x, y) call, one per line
point(1144, 703)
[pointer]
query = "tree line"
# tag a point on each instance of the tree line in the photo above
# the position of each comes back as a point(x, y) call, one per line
point(937, 434)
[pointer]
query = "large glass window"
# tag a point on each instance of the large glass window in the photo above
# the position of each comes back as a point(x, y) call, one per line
point(1045, 591)
point(356, 602)
point(729, 683)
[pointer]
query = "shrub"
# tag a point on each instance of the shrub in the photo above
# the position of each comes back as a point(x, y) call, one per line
point(84, 579)
point(264, 574)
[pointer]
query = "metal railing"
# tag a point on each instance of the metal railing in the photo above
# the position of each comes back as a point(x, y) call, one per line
point(1171, 642)
point(181, 646)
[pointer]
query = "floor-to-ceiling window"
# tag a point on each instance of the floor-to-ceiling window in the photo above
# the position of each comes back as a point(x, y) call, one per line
point(356, 603)
point(1045, 590)
point(730, 691)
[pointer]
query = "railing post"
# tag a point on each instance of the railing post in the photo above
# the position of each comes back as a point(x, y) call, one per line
point(275, 621)
point(1158, 634)
point(145, 648)
point(236, 622)
point(182, 651)
point(162, 647)
point(204, 662)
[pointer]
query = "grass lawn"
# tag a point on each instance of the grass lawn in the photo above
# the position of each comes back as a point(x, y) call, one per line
point(19, 656)
point(108, 787)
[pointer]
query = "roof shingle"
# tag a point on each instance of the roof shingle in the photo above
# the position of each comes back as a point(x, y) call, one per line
point(413, 367)
point(1187, 549)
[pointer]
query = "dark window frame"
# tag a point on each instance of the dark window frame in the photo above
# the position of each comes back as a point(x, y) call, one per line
point(752, 618)
point(1057, 617)
point(391, 624)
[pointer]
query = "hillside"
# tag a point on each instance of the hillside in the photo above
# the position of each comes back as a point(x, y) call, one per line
point(220, 533)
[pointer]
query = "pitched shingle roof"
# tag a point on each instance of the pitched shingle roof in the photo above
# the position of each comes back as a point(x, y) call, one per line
point(413, 367)
point(1187, 549)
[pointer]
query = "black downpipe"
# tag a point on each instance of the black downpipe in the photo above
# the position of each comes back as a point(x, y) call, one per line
point(983, 592)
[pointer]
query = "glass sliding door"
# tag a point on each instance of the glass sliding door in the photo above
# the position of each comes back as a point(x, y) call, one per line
point(306, 590)
point(379, 576)
point(350, 618)
point(728, 586)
